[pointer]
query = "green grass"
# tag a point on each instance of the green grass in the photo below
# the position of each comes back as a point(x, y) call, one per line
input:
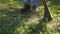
point(13, 22)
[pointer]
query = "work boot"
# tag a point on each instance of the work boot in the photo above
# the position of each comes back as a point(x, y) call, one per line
point(34, 9)
point(25, 8)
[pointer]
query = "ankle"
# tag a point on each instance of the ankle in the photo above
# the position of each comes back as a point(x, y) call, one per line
point(35, 8)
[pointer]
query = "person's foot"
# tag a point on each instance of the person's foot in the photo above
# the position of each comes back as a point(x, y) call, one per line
point(25, 8)
point(34, 9)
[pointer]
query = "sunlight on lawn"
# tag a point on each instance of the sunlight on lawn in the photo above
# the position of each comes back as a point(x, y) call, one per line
point(13, 22)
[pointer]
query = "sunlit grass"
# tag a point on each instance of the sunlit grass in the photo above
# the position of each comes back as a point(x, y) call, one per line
point(27, 24)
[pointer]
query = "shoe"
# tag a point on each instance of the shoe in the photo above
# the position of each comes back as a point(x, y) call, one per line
point(25, 8)
point(34, 9)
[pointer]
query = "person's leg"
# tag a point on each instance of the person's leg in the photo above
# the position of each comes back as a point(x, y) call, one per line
point(35, 4)
point(27, 2)
point(26, 5)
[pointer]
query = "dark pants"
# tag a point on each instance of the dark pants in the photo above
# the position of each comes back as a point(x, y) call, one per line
point(34, 2)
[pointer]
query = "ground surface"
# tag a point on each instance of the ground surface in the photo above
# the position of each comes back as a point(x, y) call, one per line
point(13, 22)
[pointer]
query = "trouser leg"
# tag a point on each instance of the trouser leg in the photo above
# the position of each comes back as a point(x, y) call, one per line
point(35, 4)
point(27, 2)
point(26, 6)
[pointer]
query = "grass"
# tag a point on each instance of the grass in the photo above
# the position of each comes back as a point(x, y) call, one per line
point(13, 22)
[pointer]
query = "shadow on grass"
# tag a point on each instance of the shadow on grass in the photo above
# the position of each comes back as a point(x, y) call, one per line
point(10, 20)
point(39, 28)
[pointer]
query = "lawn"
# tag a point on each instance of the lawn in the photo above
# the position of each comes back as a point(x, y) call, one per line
point(12, 21)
